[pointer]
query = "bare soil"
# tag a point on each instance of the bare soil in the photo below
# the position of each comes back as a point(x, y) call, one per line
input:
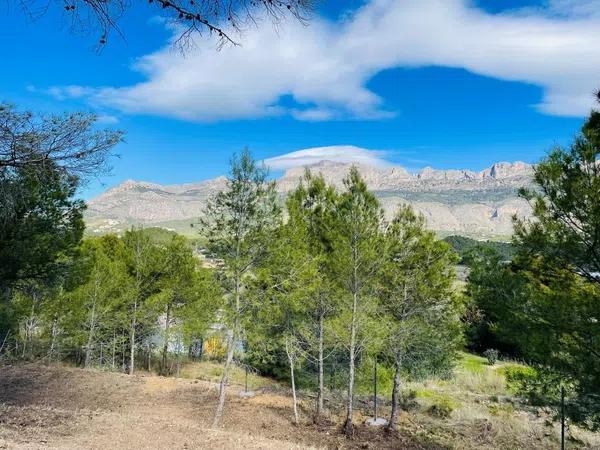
point(68, 408)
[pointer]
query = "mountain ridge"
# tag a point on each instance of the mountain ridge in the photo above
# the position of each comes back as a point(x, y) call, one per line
point(453, 201)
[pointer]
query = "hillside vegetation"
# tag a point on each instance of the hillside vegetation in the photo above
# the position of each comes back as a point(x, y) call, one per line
point(465, 246)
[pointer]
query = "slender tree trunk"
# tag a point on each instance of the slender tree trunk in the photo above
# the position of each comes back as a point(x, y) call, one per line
point(348, 426)
point(132, 338)
point(29, 325)
point(123, 348)
point(4, 341)
point(331, 373)
point(231, 340)
point(91, 333)
point(165, 349)
point(224, 378)
point(114, 350)
point(137, 299)
point(321, 362)
point(291, 360)
point(178, 355)
point(395, 394)
point(53, 343)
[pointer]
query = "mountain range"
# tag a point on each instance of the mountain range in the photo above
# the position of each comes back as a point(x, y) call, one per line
point(477, 204)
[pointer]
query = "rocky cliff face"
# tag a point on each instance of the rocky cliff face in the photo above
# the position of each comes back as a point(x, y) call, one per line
point(453, 201)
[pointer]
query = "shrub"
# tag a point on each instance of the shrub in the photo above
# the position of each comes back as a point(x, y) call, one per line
point(541, 387)
point(492, 356)
point(215, 347)
point(408, 400)
point(496, 409)
point(442, 407)
point(520, 379)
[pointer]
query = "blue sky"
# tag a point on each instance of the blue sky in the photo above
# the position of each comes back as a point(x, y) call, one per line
point(445, 83)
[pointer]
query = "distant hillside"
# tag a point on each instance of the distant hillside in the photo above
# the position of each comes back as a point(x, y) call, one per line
point(463, 245)
point(476, 204)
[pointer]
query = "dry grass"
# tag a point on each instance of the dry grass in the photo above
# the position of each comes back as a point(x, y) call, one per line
point(212, 371)
point(485, 415)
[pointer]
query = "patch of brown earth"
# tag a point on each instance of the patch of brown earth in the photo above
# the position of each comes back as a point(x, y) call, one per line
point(65, 408)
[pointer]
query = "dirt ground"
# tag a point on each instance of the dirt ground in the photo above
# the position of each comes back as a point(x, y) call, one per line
point(67, 408)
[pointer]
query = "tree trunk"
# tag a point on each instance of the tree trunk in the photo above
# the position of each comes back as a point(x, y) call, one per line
point(4, 341)
point(321, 380)
point(90, 340)
point(178, 355)
point(29, 325)
point(291, 360)
point(114, 350)
point(348, 425)
point(163, 364)
point(53, 343)
point(224, 378)
point(231, 340)
point(123, 352)
point(132, 338)
point(395, 395)
point(137, 299)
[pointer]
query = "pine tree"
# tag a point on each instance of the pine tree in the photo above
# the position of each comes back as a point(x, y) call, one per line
point(420, 312)
point(356, 258)
point(142, 258)
point(237, 223)
point(313, 203)
point(186, 294)
point(286, 284)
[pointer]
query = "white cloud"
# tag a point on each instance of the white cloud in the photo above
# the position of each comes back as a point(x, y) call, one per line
point(107, 119)
point(335, 153)
point(72, 91)
point(313, 114)
point(326, 66)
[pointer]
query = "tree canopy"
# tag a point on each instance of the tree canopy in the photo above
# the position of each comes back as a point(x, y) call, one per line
point(43, 160)
point(544, 306)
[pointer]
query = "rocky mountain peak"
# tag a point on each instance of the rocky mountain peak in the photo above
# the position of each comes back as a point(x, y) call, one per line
point(503, 170)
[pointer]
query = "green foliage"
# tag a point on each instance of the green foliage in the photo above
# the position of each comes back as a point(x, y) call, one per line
point(495, 294)
point(42, 159)
point(187, 296)
point(442, 406)
point(521, 379)
point(285, 287)
point(117, 286)
point(506, 409)
point(365, 376)
point(542, 387)
point(492, 356)
point(472, 363)
point(417, 298)
point(544, 306)
point(466, 247)
point(41, 227)
point(566, 207)
point(237, 225)
point(159, 235)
